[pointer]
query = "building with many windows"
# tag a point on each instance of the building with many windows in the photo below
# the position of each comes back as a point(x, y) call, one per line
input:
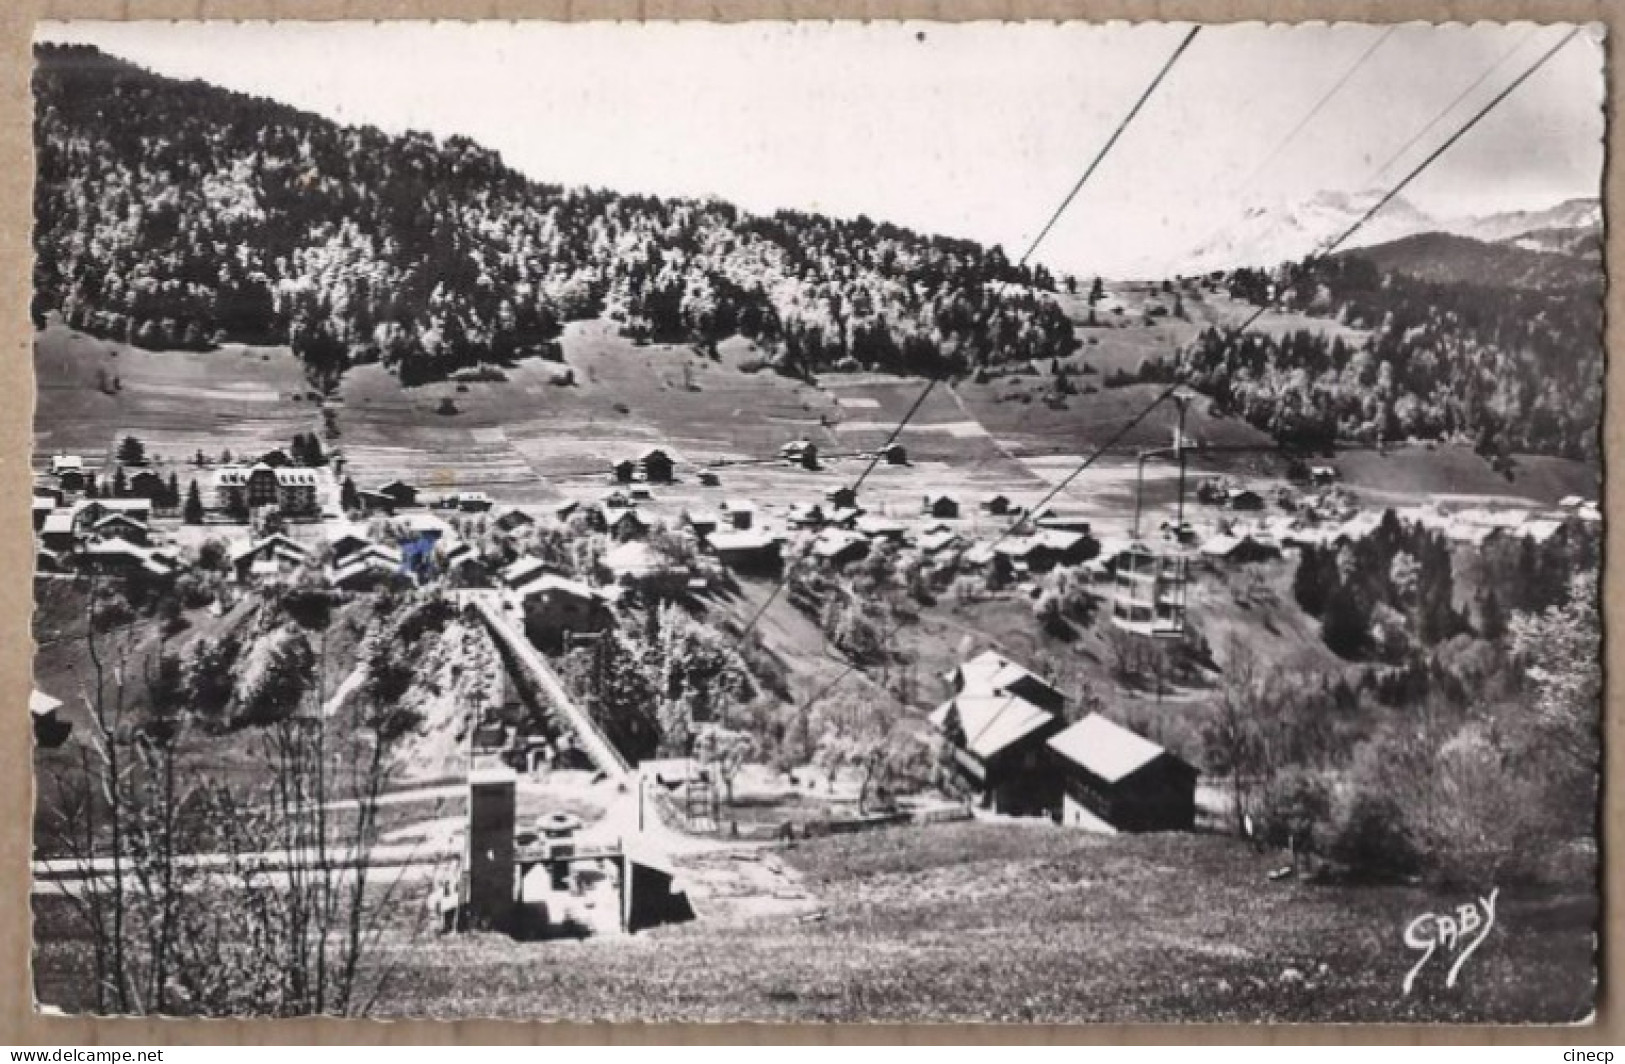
point(240, 489)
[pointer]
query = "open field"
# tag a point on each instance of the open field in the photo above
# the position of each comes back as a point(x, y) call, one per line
point(1002, 921)
point(1083, 421)
point(1456, 474)
point(1120, 339)
point(178, 402)
point(528, 440)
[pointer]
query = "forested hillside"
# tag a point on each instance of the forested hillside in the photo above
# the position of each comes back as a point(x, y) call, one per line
point(1503, 346)
point(1444, 258)
point(177, 214)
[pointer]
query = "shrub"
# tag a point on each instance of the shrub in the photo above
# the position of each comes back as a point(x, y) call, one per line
point(111, 613)
point(1369, 834)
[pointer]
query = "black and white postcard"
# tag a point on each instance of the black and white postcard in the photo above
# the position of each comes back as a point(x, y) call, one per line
point(835, 521)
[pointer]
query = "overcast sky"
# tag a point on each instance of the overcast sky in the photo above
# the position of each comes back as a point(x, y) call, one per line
point(974, 130)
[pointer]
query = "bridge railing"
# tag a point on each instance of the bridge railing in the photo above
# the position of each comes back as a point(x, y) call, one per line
point(596, 744)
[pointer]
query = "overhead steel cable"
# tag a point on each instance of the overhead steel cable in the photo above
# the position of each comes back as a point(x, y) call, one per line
point(1281, 145)
point(1332, 245)
point(1032, 247)
point(1049, 225)
point(1372, 177)
point(1319, 106)
point(1450, 141)
point(1325, 249)
point(1111, 142)
point(1393, 158)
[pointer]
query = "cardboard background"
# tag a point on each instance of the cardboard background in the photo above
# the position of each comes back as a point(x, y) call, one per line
point(20, 1025)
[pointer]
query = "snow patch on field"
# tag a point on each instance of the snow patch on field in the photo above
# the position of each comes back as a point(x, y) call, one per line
point(957, 429)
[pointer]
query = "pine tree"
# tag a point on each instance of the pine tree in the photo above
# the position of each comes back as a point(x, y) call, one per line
point(1312, 584)
point(1492, 619)
point(132, 451)
point(349, 498)
point(193, 512)
point(1437, 618)
point(172, 492)
point(119, 485)
point(1347, 625)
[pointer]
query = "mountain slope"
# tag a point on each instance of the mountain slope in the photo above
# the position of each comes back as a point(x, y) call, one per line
point(177, 214)
point(1449, 259)
point(1582, 244)
point(1456, 339)
point(1266, 236)
point(1576, 214)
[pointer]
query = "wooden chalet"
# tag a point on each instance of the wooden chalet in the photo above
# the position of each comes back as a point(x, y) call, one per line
point(400, 493)
point(375, 502)
point(835, 546)
point(268, 558)
point(57, 532)
point(639, 567)
point(992, 673)
point(526, 570)
point(747, 551)
point(1113, 779)
point(624, 523)
point(116, 557)
point(1238, 550)
point(656, 466)
point(121, 526)
point(877, 528)
point(71, 473)
point(1045, 549)
point(347, 542)
point(842, 498)
point(371, 567)
point(557, 608)
point(997, 745)
point(802, 452)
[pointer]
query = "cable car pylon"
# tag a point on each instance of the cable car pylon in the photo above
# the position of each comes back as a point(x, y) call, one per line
point(1149, 585)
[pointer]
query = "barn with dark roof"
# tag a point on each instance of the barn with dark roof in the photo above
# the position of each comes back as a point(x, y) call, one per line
point(1113, 779)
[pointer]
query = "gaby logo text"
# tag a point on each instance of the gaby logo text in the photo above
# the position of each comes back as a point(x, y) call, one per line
point(1457, 932)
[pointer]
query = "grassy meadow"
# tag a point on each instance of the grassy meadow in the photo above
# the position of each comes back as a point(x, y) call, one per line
point(999, 922)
